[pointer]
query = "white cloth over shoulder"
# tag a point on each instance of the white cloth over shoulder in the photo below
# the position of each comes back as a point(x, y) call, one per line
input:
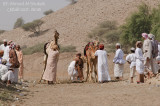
point(118, 59)
point(103, 74)
point(71, 71)
point(132, 59)
point(139, 61)
point(6, 51)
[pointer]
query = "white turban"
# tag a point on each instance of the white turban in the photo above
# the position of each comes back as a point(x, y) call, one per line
point(150, 36)
point(133, 48)
point(158, 58)
point(4, 40)
point(118, 44)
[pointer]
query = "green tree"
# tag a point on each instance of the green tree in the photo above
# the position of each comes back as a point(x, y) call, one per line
point(19, 23)
point(138, 23)
point(48, 12)
point(33, 26)
point(156, 22)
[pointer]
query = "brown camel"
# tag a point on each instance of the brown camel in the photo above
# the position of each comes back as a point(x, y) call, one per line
point(46, 50)
point(92, 61)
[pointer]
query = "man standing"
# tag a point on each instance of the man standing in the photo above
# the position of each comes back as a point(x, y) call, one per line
point(131, 59)
point(51, 68)
point(79, 66)
point(147, 50)
point(119, 62)
point(20, 59)
point(6, 50)
point(154, 53)
point(13, 60)
point(139, 62)
point(103, 74)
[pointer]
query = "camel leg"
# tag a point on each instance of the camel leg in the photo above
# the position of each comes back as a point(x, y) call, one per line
point(87, 72)
point(95, 71)
point(90, 71)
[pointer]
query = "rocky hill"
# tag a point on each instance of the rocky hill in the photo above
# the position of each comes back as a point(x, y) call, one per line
point(74, 22)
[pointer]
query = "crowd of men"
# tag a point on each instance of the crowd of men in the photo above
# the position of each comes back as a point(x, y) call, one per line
point(144, 60)
point(11, 62)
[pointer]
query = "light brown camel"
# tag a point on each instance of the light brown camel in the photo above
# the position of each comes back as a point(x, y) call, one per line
point(92, 61)
point(47, 46)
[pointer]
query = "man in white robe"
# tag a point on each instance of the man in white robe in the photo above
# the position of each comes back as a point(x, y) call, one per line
point(119, 62)
point(103, 73)
point(147, 50)
point(131, 59)
point(5, 74)
point(6, 50)
point(72, 72)
point(139, 62)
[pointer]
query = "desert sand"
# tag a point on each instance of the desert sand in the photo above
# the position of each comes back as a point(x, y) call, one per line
point(65, 93)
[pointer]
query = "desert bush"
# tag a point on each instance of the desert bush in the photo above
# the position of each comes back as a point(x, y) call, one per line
point(19, 23)
point(102, 29)
point(107, 33)
point(69, 48)
point(33, 26)
point(48, 12)
point(136, 24)
point(39, 48)
point(73, 1)
point(112, 36)
point(34, 49)
point(2, 31)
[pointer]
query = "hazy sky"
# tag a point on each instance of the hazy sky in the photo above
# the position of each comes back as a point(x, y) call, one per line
point(29, 10)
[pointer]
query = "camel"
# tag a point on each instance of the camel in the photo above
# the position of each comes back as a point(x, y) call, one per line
point(92, 61)
point(46, 50)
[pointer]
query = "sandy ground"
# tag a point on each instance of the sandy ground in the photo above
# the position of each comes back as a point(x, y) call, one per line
point(85, 94)
point(92, 94)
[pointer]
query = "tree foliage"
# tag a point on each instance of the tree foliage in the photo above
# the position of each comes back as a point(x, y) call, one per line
point(19, 23)
point(48, 12)
point(156, 22)
point(33, 26)
point(106, 31)
point(2, 31)
point(138, 23)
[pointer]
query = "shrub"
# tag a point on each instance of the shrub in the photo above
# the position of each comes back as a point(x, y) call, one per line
point(138, 23)
point(69, 48)
point(40, 48)
point(102, 29)
point(33, 26)
point(112, 36)
point(2, 31)
point(19, 23)
point(48, 12)
point(34, 49)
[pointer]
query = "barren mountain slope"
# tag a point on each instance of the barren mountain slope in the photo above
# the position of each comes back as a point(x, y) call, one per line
point(75, 21)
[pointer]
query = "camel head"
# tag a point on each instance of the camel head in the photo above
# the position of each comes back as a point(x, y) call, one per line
point(56, 36)
point(96, 44)
point(92, 48)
